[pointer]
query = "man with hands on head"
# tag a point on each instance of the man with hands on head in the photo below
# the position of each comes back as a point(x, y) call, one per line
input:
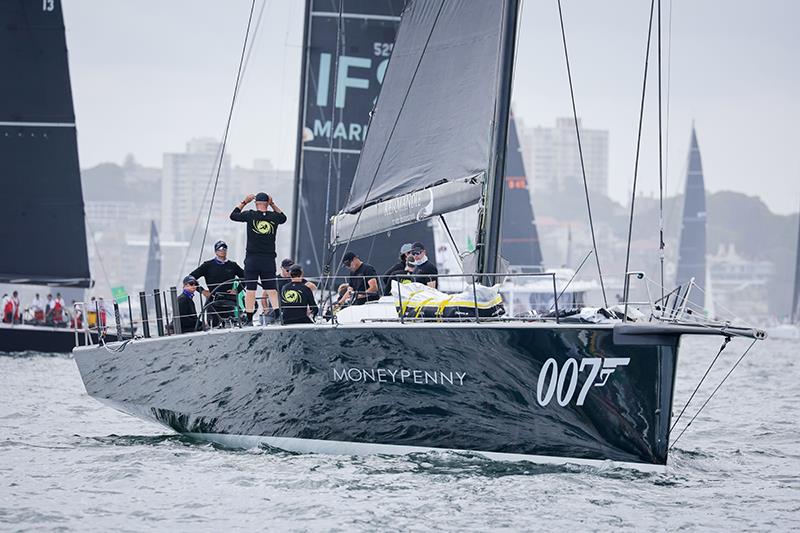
point(259, 262)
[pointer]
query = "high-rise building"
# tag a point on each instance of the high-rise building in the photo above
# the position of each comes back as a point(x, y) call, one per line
point(183, 187)
point(551, 155)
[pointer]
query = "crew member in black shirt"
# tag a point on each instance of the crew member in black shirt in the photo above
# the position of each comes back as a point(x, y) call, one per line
point(396, 270)
point(219, 273)
point(186, 309)
point(424, 269)
point(362, 281)
point(297, 299)
point(259, 261)
point(285, 276)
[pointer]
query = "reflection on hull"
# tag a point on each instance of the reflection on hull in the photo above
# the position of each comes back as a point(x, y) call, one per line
point(534, 390)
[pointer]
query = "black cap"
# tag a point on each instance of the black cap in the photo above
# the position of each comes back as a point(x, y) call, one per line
point(417, 246)
point(295, 270)
point(349, 256)
point(220, 244)
point(189, 280)
point(286, 263)
point(262, 197)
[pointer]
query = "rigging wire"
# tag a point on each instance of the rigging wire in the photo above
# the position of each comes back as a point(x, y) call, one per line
point(227, 127)
point(660, 163)
point(639, 140)
point(700, 383)
point(97, 252)
point(326, 218)
point(713, 393)
point(218, 154)
point(580, 154)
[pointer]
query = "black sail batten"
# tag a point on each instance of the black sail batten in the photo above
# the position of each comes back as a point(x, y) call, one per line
point(692, 248)
point(39, 170)
point(519, 238)
point(152, 277)
point(443, 75)
point(341, 115)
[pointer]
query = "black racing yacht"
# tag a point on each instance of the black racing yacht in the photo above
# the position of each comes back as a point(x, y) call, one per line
point(43, 224)
point(585, 386)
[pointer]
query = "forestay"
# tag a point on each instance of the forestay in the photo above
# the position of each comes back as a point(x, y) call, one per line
point(428, 146)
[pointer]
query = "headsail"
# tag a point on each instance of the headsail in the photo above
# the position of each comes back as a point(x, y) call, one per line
point(430, 140)
point(692, 250)
point(519, 238)
point(334, 111)
point(152, 277)
point(39, 172)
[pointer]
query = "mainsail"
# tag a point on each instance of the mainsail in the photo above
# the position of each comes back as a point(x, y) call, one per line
point(692, 249)
point(152, 277)
point(430, 144)
point(338, 91)
point(519, 240)
point(39, 172)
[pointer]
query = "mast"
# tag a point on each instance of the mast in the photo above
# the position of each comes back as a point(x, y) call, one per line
point(489, 229)
point(301, 118)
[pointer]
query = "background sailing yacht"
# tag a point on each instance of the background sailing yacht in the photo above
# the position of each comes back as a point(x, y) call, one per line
point(43, 223)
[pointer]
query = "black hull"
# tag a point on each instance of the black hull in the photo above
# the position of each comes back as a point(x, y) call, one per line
point(323, 384)
point(24, 338)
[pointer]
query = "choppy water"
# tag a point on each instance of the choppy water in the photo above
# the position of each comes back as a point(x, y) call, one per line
point(69, 463)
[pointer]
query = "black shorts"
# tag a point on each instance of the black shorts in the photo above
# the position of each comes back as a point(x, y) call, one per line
point(260, 266)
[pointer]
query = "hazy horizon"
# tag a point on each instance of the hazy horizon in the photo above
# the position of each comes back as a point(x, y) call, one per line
point(149, 76)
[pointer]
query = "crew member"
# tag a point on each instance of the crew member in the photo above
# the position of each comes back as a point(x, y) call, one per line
point(286, 277)
point(37, 309)
point(396, 269)
point(59, 307)
point(362, 281)
point(259, 262)
point(17, 317)
point(219, 274)
point(297, 300)
point(424, 269)
point(186, 309)
point(8, 309)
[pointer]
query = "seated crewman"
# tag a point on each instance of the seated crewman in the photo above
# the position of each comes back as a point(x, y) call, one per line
point(297, 299)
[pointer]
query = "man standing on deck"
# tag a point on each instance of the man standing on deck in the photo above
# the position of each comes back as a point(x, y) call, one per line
point(259, 261)
point(187, 312)
point(219, 274)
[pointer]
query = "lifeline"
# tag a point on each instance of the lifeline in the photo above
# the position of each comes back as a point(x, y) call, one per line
point(385, 375)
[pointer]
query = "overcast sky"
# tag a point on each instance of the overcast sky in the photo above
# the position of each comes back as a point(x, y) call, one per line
point(149, 75)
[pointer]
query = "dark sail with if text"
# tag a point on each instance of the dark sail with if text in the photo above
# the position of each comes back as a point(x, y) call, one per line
point(39, 172)
point(444, 74)
point(346, 49)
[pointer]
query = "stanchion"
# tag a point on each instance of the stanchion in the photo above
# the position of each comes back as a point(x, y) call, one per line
point(176, 313)
point(159, 312)
point(145, 322)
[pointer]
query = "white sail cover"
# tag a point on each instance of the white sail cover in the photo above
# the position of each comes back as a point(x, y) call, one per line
point(428, 145)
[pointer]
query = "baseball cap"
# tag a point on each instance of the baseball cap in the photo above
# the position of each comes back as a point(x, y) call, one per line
point(349, 256)
point(262, 197)
point(405, 248)
point(220, 244)
point(286, 263)
point(417, 246)
point(295, 270)
point(189, 280)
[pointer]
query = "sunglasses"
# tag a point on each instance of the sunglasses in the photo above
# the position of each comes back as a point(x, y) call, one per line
point(417, 252)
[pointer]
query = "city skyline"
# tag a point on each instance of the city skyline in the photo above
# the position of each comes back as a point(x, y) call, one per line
point(156, 92)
